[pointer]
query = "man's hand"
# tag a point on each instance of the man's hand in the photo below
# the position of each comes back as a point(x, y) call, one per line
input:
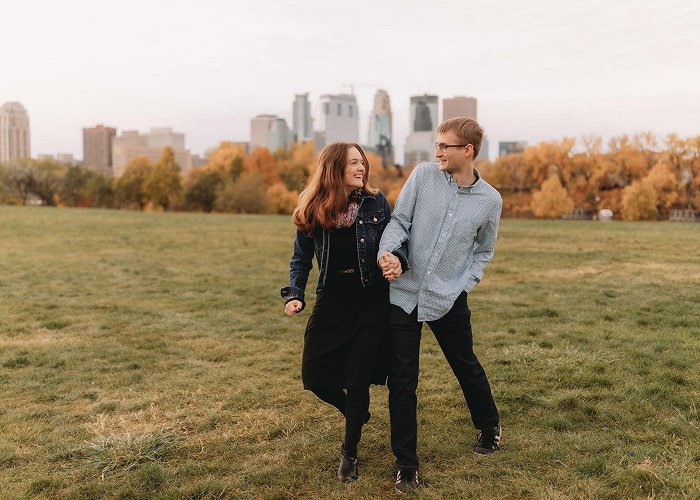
point(292, 307)
point(391, 266)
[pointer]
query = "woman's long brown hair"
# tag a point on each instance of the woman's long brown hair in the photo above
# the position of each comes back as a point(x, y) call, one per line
point(325, 197)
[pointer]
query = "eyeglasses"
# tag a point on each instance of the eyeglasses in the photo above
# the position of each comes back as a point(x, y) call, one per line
point(443, 147)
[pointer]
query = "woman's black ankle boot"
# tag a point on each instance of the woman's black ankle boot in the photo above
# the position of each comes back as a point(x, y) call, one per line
point(347, 469)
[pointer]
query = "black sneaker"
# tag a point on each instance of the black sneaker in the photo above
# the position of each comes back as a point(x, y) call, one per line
point(406, 480)
point(489, 441)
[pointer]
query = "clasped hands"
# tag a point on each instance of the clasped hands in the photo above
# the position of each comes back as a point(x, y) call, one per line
point(391, 266)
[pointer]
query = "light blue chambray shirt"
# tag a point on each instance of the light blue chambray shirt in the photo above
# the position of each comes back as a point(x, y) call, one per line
point(451, 233)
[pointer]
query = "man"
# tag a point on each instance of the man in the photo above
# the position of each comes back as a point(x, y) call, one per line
point(449, 215)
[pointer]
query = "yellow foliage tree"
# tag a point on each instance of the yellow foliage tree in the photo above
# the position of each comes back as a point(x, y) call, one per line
point(163, 184)
point(552, 200)
point(639, 202)
point(223, 158)
point(280, 200)
point(129, 188)
point(662, 179)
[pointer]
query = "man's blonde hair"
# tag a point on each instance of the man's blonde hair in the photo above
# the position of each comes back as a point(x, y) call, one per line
point(468, 131)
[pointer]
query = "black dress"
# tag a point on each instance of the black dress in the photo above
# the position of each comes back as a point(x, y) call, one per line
point(346, 338)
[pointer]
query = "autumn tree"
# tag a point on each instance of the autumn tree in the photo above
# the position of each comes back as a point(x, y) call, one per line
point(280, 200)
point(227, 159)
point(663, 180)
point(546, 158)
point(639, 202)
point(295, 165)
point(552, 200)
point(130, 187)
point(262, 161)
point(163, 184)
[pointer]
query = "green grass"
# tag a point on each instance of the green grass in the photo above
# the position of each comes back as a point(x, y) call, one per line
point(146, 355)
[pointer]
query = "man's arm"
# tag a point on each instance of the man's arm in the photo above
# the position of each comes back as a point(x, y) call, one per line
point(399, 227)
point(483, 247)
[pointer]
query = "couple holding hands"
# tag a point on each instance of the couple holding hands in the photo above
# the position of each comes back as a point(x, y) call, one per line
point(381, 275)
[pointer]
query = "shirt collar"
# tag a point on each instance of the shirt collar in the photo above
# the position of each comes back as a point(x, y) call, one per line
point(477, 182)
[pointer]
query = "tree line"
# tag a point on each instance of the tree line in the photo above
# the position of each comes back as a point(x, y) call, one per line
point(638, 177)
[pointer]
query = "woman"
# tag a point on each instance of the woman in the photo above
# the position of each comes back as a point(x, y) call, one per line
point(340, 219)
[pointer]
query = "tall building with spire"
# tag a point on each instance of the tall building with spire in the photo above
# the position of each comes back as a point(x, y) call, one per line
point(379, 137)
point(14, 133)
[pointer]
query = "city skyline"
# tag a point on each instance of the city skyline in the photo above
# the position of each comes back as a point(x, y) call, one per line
point(541, 71)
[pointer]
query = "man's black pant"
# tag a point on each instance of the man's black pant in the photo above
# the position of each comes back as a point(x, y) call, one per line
point(454, 334)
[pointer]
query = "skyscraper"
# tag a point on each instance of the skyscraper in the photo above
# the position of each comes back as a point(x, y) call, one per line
point(302, 123)
point(380, 127)
point(14, 132)
point(97, 148)
point(459, 106)
point(420, 143)
point(340, 119)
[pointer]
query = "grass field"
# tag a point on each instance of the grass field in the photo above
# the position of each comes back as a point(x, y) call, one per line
point(145, 355)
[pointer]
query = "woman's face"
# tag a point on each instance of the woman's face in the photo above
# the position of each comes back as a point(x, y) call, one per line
point(354, 170)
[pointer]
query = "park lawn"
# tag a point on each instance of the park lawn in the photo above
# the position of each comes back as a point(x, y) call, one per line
point(145, 355)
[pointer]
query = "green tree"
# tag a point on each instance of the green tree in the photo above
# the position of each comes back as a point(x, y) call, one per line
point(129, 189)
point(47, 177)
point(18, 179)
point(247, 195)
point(82, 187)
point(163, 184)
point(200, 188)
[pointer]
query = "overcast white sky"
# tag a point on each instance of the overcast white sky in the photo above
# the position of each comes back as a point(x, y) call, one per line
point(541, 69)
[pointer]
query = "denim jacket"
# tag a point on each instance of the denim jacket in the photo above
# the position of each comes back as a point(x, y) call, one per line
point(372, 217)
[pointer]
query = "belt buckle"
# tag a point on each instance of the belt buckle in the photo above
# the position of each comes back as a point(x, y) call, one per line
point(347, 271)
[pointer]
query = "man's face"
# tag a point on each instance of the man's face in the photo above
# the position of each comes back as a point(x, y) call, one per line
point(451, 159)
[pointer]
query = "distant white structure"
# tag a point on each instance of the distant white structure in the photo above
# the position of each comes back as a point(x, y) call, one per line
point(131, 144)
point(605, 215)
point(14, 132)
point(340, 119)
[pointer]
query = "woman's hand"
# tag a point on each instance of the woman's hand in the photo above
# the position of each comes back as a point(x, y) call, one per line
point(292, 307)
